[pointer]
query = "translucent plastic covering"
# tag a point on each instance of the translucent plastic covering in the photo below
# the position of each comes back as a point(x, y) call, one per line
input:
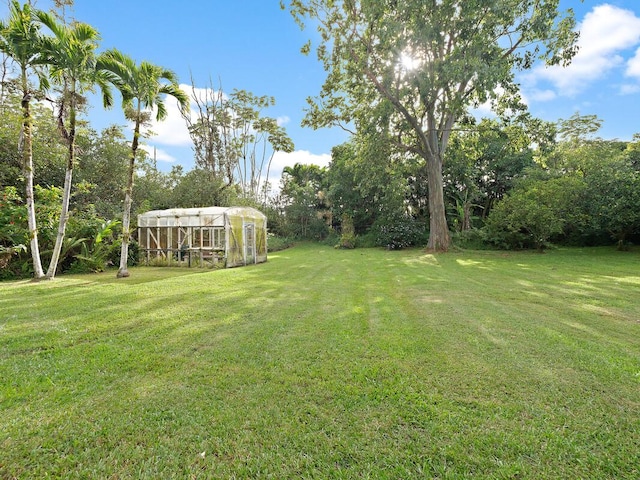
point(184, 217)
point(235, 235)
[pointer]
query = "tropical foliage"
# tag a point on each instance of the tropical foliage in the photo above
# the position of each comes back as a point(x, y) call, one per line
point(21, 41)
point(512, 181)
point(143, 88)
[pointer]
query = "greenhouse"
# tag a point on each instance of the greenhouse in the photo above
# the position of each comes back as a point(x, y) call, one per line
point(227, 236)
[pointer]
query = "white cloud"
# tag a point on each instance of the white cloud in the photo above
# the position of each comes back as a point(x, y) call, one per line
point(173, 129)
point(605, 33)
point(633, 66)
point(157, 153)
point(628, 89)
point(483, 110)
point(283, 159)
point(542, 95)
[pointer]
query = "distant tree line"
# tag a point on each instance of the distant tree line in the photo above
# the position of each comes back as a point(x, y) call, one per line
point(403, 77)
point(506, 185)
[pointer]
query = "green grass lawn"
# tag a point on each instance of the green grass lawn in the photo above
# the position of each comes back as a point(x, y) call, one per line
point(327, 363)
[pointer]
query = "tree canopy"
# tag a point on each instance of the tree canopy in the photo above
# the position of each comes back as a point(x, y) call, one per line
point(413, 68)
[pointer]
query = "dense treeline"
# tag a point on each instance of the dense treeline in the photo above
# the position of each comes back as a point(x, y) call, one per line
point(509, 186)
point(404, 77)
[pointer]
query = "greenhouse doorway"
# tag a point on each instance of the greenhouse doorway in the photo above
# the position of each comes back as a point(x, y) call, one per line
point(250, 243)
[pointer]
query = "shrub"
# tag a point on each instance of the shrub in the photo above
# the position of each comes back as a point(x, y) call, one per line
point(534, 213)
point(368, 240)
point(348, 236)
point(332, 240)
point(276, 243)
point(399, 232)
point(473, 239)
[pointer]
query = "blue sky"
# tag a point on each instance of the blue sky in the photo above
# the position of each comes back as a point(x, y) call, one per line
point(253, 45)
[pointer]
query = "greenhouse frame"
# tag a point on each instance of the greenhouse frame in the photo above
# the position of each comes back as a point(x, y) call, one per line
point(228, 236)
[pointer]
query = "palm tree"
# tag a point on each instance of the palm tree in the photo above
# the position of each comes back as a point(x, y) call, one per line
point(143, 88)
point(71, 60)
point(20, 40)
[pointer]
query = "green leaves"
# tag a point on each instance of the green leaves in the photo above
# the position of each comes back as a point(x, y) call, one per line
point(142, 86)
point(456, 54)
point(530, 216)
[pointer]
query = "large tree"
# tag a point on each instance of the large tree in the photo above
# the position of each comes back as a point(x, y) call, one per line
point(233, 140)
point(20, 40)
point(415, 66)
point(143, 87)
point(70, 55)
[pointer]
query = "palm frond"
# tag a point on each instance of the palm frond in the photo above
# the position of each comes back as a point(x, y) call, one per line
point(143, 82)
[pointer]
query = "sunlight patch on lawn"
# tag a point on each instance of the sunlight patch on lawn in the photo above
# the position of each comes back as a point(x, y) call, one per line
point(429, 299)
point(148, 387)
point(584, 328)
point(631, 280)
point(428, 259)
point(472, 263)
point(497, 341)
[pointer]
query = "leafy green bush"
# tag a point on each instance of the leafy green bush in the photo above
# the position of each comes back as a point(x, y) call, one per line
point(96, 252)
point(534, 213)
point(399, 232)
point(89, 245)
point(473, 239)
point(276, 243)
point(14, 230)
point(367, 240)
point(13, 215)
point(332, 239)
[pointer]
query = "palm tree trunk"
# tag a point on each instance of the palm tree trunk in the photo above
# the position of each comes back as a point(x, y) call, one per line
point(27, 169)
point(38, 272)
point(128, 200)
point(126, 222)
point(64, 217)
point(66, 195)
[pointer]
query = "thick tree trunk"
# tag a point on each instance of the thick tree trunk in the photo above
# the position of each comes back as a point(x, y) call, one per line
point(439, 238)
point(27, 168)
